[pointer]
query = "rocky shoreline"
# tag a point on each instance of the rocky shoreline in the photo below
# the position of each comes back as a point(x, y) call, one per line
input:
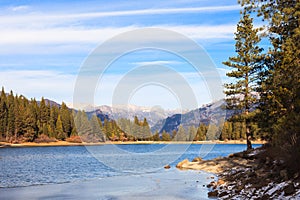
point(248, 175)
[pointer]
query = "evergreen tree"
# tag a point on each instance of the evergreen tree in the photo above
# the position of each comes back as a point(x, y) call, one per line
point(192, 132)
point(44, 111)
point(244, 69)
point(156, 136)
point(82, 124)
point(66, 119)
point(237, 130)
point(11, 117)
point(96, 130)
point(34, 109)
point(212, 132)
point(146, 132)
point(3, 115)
point(165, 136)
point(54, 111)
point(115, 130)
point(174, 132)
point(226, 131)
point(201, 132)
point(30, 132)
point(74, 130)
point(280, 101)
point(136, 129)
point(181, 135)
point(59, 129)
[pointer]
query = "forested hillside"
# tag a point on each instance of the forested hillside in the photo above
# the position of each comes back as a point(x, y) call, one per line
point(24, 120)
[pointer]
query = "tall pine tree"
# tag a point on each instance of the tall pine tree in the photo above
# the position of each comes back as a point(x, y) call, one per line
point(244, 70)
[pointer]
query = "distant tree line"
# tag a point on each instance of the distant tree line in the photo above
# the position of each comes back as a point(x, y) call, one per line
point(23, 120)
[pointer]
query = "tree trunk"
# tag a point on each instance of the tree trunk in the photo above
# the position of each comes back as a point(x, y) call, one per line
point(248, 133)
point(248, 136)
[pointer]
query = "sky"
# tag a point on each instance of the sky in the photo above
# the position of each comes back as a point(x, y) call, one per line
point(45, 45)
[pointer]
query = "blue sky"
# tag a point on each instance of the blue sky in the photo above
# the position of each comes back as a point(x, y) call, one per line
point(43, 44)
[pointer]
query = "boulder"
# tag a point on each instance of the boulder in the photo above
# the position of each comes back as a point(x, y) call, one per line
point(296, 175)
point(167, 167)
point(197, 159)
point(220, 182)
point(231, 155)
point(289, 189)
point(213, 193)
point(211, 184)
point(180, 164)
point(222, 194)
point(284, 174)
point(268, 161)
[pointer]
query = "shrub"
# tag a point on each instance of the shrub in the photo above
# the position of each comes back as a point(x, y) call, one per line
point(74, 139)
point(44, 139)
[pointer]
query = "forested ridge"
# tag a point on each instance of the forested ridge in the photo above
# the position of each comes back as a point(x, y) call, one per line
point(24, 120)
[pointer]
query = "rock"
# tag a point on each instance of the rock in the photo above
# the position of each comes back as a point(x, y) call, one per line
point(267, 161)
point(197, 159)
point(213, 193)
point(231, 155)
point(222, 194)
point(289, 189)
point(211, 184)
point(180, 164)
point(239, 188)
point(167, 167)
point(266, 196)
point(220, 182)
point(238, 155)
point(283, 174)
point(296, 175)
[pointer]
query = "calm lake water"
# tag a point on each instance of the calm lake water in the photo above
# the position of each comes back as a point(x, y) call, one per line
point(30, 166)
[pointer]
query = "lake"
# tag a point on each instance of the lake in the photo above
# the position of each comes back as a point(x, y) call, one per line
point(45, 169)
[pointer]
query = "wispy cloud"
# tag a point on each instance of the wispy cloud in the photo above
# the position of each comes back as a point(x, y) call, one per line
point(162, 11)
point(84, 35)
point(157, 62)
point(59, 18)
point(37, 83)
point(60, 86)
point(19, 8)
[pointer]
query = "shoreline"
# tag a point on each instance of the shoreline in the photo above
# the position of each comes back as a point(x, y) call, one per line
point(247, 174)
point(64, 143)
point(218, 165)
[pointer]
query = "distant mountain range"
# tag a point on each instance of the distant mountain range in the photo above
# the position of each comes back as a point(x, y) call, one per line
point(210, 113)
point(159, 119)
point(153, 115)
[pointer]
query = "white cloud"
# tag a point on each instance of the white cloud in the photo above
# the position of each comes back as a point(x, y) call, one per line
point(57, 18)
point(19, 8)
point(81, 35)
point(59, 86)
point(157, 62)
point(161, 11)
point(58, 35)
point(36, 83)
